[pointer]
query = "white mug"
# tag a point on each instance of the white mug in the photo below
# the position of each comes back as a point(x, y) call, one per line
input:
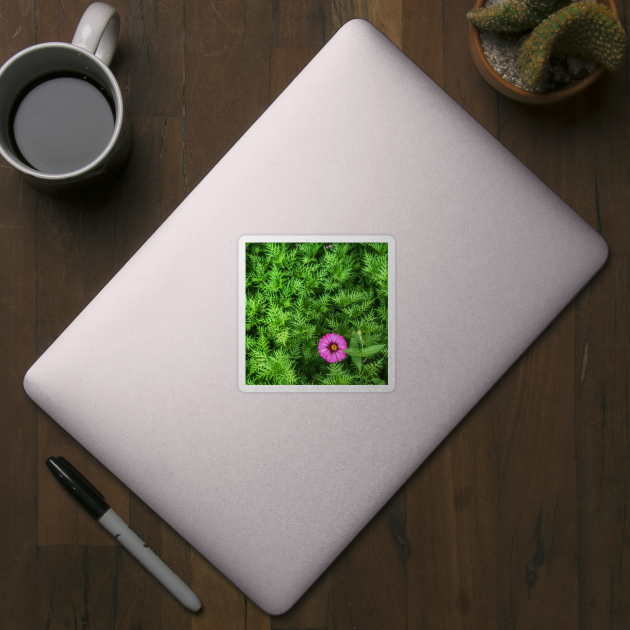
point(79, 150)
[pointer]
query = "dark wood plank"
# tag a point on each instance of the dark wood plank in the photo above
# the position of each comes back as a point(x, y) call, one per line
point(452, 527)
point(154, 57)
point(603, 443)
point(171, 160)
point(608, 126)
point(422, 36)
point(18, 423)
point(461, 78)
point(224, 606)
point(285, 64)
point(312, 611)
point(256, 618)
point(55, 23)
point(300, 23)
point(369, 577)
point(18, 416)
point(60, 519)
point(76, 587)
point(152, 185)
point(17, 28)
point(558, 147)
point(569, 146)
point(226, 78)
point(386, 15)
point(537, 537)
point(142, 600)
point(575, 148)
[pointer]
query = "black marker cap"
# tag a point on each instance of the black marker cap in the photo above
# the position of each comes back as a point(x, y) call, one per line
point(78, 486)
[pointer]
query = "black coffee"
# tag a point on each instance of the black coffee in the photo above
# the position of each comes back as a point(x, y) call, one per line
point(61, 123)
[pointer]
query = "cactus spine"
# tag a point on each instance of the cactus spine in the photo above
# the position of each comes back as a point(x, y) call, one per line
point(513, 16)
point(583, 29)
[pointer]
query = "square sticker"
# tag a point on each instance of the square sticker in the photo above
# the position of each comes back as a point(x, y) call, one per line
point(316, 313)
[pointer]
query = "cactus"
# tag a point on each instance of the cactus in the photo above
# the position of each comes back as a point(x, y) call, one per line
point(584, 29)
point(513, 16)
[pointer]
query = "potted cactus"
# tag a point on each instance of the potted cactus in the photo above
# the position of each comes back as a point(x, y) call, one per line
point(558, 49)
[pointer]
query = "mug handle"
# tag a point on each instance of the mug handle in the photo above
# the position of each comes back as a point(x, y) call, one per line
point(98, 30)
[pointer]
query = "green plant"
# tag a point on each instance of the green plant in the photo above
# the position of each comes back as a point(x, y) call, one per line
point(513, 16)
point(583, 29)
point(298, 292)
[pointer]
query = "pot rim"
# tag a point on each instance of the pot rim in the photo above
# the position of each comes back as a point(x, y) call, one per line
point(512, 91)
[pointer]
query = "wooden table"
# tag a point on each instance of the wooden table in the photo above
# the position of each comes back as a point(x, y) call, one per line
point(518, 520)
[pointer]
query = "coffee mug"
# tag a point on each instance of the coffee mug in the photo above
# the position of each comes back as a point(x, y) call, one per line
point(62, 114)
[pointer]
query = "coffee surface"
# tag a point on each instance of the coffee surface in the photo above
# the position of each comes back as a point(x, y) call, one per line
point(62, 124)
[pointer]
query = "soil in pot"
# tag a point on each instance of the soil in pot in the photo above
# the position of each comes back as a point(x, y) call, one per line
point(501, 49)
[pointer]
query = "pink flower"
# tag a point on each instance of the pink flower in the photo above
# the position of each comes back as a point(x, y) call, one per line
point(331, 347)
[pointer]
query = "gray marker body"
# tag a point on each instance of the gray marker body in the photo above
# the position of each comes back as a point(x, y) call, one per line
point(149, 559)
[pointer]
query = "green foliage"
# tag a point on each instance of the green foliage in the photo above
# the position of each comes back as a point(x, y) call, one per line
point(584, 29)
point(298, 292)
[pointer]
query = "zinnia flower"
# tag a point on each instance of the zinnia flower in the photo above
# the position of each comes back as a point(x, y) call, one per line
point(331, 347)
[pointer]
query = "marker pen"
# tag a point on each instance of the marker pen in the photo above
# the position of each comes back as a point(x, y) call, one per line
point(94, 502)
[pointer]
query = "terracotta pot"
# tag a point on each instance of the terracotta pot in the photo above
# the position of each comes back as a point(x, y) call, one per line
point(518, 94)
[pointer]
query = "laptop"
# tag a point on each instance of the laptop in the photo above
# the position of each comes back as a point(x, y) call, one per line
point(270, 480)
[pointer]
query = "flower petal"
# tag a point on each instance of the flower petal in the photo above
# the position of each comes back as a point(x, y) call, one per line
point(340, 355)
point(342, 343)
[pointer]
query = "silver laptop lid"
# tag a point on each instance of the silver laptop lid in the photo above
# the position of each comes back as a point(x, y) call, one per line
point(271, 485)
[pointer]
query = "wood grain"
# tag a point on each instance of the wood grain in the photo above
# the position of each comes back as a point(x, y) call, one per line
point(368, 578)
point(57, 22)
point(572, 150)
point(300, 22)
point(386, 15)
point(422, 36)
point(154, 57)
point(602, 380)
point(452, 515)
point(151, 187)
point(461, 79)
point(18, 416)
point(313, 609)
point(224, 606)
point(76, 587)
point(226, 78)
point(537, 510)
point(61, 521)
point(519, 519)
point(285, 64)
point(146, 602)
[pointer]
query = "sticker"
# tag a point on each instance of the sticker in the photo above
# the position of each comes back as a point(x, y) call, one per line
point(316, 313)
